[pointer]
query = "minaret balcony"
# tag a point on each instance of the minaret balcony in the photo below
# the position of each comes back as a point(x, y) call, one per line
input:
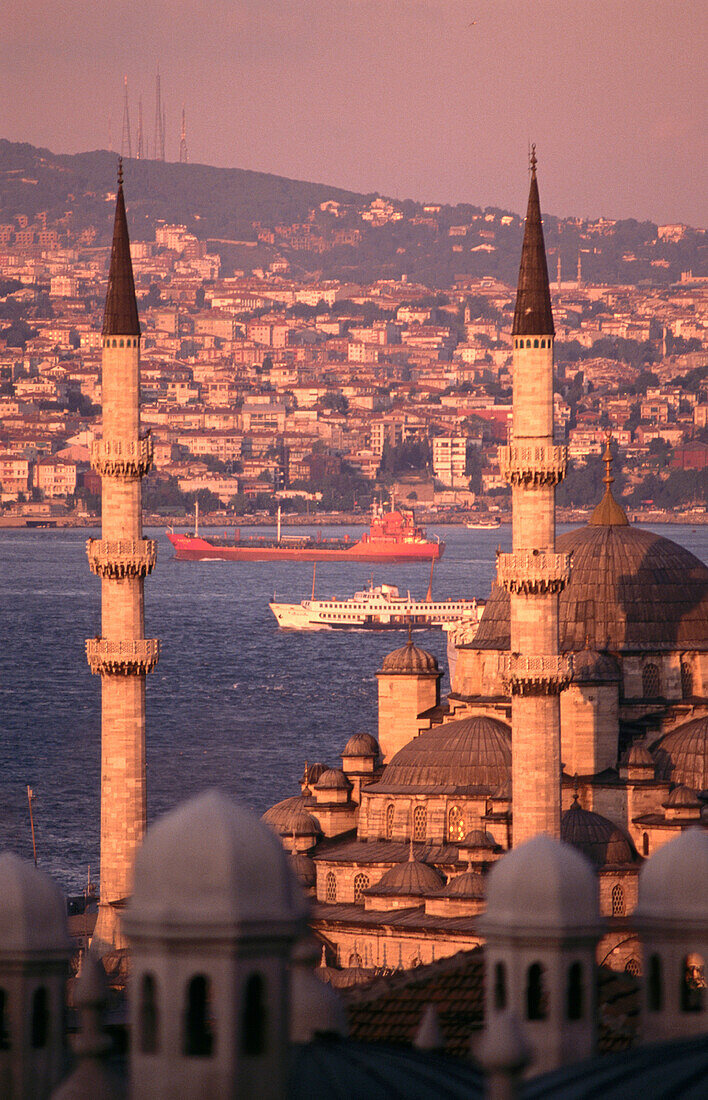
point(122, 658)
point(122, 458)
point(535, 674)
point(121, 558)
point(533, 573)
point(540, 465)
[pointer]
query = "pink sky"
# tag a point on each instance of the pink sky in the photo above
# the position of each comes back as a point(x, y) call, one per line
point(397, 96)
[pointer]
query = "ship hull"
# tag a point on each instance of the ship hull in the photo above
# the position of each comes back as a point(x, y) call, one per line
point(189, 548)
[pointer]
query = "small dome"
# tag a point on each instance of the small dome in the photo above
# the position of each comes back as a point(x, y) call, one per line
point(304, 868)
point(210, 862)
point(543, 884)
point(290, 814)
point(412, 660)
point(470, 884)
point(411, 879)
point(593, 667)
point(32, 909)
point(603, 842)
point(468, 753)
point(682, 755)
point(683, 796)
point(480, 839)
point(312, 773)
point(673, 884)
point(361, 744)
point(333, 779)
point(639, 756)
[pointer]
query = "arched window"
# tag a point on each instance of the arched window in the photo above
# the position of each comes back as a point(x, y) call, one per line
point(4, 1033)
point(331, 888)
point(499, 986)
point(686, 680)
point(536, 998)
point(645, 844)
point(693, 984)
point(651, 681)
point(655, 985)
point(574, 1005)
point(361, 883)
point(617, 900)
point(632, 967)
point(148, 1016)
point(355, 959)
point(528, 343)
point(40, 1018)
point(390, 811)
point(254, 1019)
point(420, 822)
point(535, 343)
point(455, 824)
point(198, 1033)
point(543, 343)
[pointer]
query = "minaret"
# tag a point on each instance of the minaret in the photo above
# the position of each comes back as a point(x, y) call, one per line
point(121, 558)
point(533, 573)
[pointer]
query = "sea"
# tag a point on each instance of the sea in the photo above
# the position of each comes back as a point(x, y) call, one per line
point(234, 702)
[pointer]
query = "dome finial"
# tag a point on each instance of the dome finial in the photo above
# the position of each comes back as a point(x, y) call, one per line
point(533, 161)
point(411, 856)
point(120, 171)
point(607, 459)
point(576, 796)
point(608, 512)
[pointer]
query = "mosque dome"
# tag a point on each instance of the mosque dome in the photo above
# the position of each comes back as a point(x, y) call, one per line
point(603, 842)
point(410, 879)
point(592, 667)
point(481, 840)
point(683, 797)
point(32, 909)
point(639, 757)
point(411, 660)
point(312, 773)
point(304, 868)
point(289, 815)
point(682, 755)
point(628, 589)
point(468, 754)
point(469, 885)
point(211, 863)
point(673, 884)
point(541, 885)
point(361, 744)
point(333, 779)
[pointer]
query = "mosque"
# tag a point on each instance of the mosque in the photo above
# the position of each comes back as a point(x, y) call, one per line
point(575, 735)
point(579, 709)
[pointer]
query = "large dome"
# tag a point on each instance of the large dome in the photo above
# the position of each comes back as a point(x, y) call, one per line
point(470, 755)
point(629, 589)
point(682, 755)
point(603, 842)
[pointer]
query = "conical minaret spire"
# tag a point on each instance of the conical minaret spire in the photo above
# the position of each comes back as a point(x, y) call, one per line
point(533, 315)
point(122, 558)
point(120, 316)
point(534, 574)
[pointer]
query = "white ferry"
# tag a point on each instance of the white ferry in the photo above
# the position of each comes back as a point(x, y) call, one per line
point(377, 608)
point(483, 523)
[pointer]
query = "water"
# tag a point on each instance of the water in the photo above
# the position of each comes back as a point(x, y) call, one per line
point(233, 702)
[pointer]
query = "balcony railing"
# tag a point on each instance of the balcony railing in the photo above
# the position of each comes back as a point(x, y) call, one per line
point(542, 465)
point(120, 558)
point(122, 658)
point(535, 674)
point(122, 458)
point(533, 574)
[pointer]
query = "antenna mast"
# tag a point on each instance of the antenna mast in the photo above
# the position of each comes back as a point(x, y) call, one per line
point(125, 136)
point(140, 128)
point(183, 156)
point(159, 121)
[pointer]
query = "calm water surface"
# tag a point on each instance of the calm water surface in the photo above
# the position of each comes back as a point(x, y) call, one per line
point(234, 702)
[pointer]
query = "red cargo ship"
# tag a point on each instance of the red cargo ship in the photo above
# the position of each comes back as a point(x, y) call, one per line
point(392, 536)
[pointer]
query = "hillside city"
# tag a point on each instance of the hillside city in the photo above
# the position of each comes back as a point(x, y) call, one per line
point(285, 385)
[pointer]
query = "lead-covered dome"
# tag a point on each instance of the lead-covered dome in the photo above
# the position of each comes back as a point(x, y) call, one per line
point(290, 815)
point(603, 842)
point(410, 879)
point(682, 755)
point(470, 755)
point(409, 660)
point(361, 744)
point(628, 589)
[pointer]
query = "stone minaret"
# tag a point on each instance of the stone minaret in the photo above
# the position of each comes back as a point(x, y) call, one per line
point(533, 573)
point(121, 558)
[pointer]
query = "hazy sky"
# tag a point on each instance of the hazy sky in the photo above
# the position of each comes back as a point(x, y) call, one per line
point(398, 96)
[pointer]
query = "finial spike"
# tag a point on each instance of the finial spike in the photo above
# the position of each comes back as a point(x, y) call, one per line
point(533, 161)
point(576, 796)
point(411, 856)
point(607, 459)
point(120, 171)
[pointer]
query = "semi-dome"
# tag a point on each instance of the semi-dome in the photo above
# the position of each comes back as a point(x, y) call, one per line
point(682, 755)
point(212, 863)
point(32, 910)
point(470, 754)
point(288, 814)
point(469, 885)
point(673, 884)
point(333, 779)
point(600, 840)
point(410, 659)
point(410, 879)
point(361, 744)
point(639, 756)
point(593, 667)
point(628, 589)
point(541, 885)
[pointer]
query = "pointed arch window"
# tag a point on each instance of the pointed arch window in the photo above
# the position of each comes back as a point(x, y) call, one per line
point(390, 811)
point(198, 1026)
point(331, 888)
point(148, 1018)
point(645, 844)
point(618, 907)
point(686, 680)
point(536, 996)
point(420, 822)
point(574, 1006)
point(632, 967)
point(455, 824)
point(361, 883)
point(254, 1019)
point(40, 1018)
point(651, 681)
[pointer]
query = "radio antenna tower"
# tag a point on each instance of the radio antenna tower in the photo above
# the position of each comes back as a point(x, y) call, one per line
point(125, 136)
point(140, 128)
point(159, 121)
point(183, 155)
